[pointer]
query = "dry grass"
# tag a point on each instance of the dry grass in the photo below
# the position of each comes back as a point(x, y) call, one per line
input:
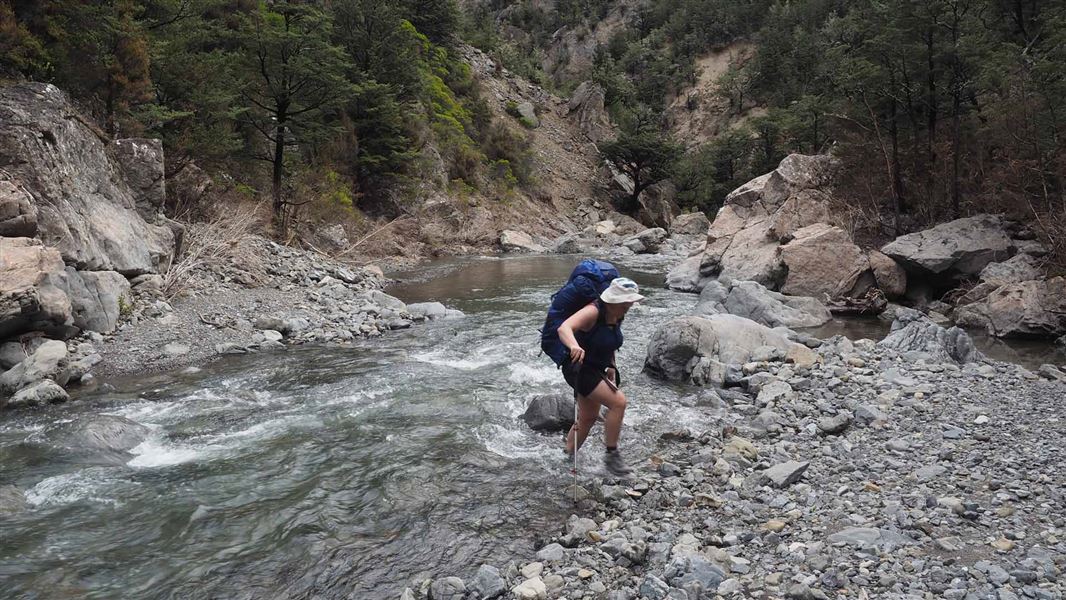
point(221, 242)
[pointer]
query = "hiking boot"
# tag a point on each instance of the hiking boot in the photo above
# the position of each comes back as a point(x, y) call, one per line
point(615, 465)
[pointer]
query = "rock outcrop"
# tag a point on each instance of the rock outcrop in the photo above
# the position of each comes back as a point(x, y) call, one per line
point(890, 277)
point(32, 288)
point(519, 241)
point(695, 223)
point(586, 105)
point(703, 349)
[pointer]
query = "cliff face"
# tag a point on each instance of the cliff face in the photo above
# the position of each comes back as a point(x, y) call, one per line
point(79, 215)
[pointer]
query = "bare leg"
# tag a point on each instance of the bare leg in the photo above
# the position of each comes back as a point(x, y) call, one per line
point(615, 401)
point(588, 410)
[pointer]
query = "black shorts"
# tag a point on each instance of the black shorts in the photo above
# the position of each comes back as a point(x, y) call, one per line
point(582, 378)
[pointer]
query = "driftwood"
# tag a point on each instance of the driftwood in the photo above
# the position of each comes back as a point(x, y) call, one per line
point(870, 304)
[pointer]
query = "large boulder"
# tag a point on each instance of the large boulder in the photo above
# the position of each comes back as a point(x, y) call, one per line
point(890, 277)
point(915, 335)
point(32, 288)
point(97, 298)
point(141, 162)
point(753, 301)
point(47, 362)
point(1018, 269)
point(519, 241)
point(42, 392)
point(695, 223)
point(1035, 309)
point(648, 241)
point(961, 247)
point(701, 349)
point(551, 412)
point(687, 276)
point(822, 261)
point(85, 207)
point(743, 240)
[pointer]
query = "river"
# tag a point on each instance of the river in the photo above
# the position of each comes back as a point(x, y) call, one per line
point(335, 471)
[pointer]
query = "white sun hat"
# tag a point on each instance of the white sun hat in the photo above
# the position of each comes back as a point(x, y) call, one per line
point(620, 291)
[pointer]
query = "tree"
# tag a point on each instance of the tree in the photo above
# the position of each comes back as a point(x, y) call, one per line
point(645, 156)
point(296, 77)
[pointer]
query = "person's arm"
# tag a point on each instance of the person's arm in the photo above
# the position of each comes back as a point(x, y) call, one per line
point(582, 320)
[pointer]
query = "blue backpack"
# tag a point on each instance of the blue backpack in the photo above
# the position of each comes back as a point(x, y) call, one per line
point(585, 285)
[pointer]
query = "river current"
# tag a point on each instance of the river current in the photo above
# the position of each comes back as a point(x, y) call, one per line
point(334, 471)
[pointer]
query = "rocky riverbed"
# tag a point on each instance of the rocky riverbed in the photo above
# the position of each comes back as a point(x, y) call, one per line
point(881, 470)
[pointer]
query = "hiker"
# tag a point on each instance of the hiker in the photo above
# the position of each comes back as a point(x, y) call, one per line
point(592, 335)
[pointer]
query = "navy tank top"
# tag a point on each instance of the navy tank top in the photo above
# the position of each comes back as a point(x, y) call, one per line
point(600, 342)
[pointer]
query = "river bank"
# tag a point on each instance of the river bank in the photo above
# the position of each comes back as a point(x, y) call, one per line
point(866, 475)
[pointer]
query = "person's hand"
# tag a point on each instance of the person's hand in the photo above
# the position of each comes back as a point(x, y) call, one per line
point(612, 375)
point(577, 355)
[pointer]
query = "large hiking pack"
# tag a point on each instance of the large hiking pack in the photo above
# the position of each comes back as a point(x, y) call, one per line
point(586, 283)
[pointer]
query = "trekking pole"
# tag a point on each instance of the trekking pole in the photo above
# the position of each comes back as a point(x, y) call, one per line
point(576, 430)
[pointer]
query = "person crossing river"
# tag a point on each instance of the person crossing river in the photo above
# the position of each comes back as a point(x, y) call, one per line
point(592, 335)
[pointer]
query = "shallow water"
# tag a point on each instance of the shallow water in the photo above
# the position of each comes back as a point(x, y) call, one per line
point(328, 472)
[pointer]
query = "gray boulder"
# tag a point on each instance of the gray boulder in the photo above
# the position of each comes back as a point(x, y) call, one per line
point(427, 310)
point(447, 588)
point(648, 241)
point(914, 333)
point(93, 439)
point(488, 583)
point(695, 223)
point(891, 278)
point(550, 412)
point(959, 247)
point(42, 392)
point(688, 275)
point(753, 301)
point(519, 241)
point(97, 298)
point(822, 261)
point(47, 362)
point(869, 538)
point(32, 289)
point(586, 105)
point(701, 349)
point(784, 474)
point(85, 207)
point(1031, 309)
point(528, 113)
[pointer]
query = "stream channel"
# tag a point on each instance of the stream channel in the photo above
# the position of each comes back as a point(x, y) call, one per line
point(338, 471)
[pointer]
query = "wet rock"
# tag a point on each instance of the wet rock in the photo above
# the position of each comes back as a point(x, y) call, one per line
point(97, 438)
point(46, 362)
point(488, 583)
point(12, 500)
point(42, 392)
point(448, 588)
point(550, 412)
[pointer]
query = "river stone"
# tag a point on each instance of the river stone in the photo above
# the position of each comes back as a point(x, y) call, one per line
point(647, 241)
point(687, 569)
point(427, 310)
point(46, 362)
point(550, 412)
point(448, 588)
point(869, 538)
point(11, 354)
point(834, 425)
point(701, 349)
point(753, 301)
point(530, 589)
point(551, 553)
point(42, 392)
point(12, 500)
point(653, 588)
point(519, 241)
point(959, 247)
point(687, 276)
point(785, 474)
point(381, 299)
point(913, 332)
point(96, 438)
point(487, 583)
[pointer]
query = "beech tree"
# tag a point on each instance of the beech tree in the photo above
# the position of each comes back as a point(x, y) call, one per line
point(295, 79)
point(646, 156)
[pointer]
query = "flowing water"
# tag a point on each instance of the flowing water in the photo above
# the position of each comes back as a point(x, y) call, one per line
point(328, 472)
